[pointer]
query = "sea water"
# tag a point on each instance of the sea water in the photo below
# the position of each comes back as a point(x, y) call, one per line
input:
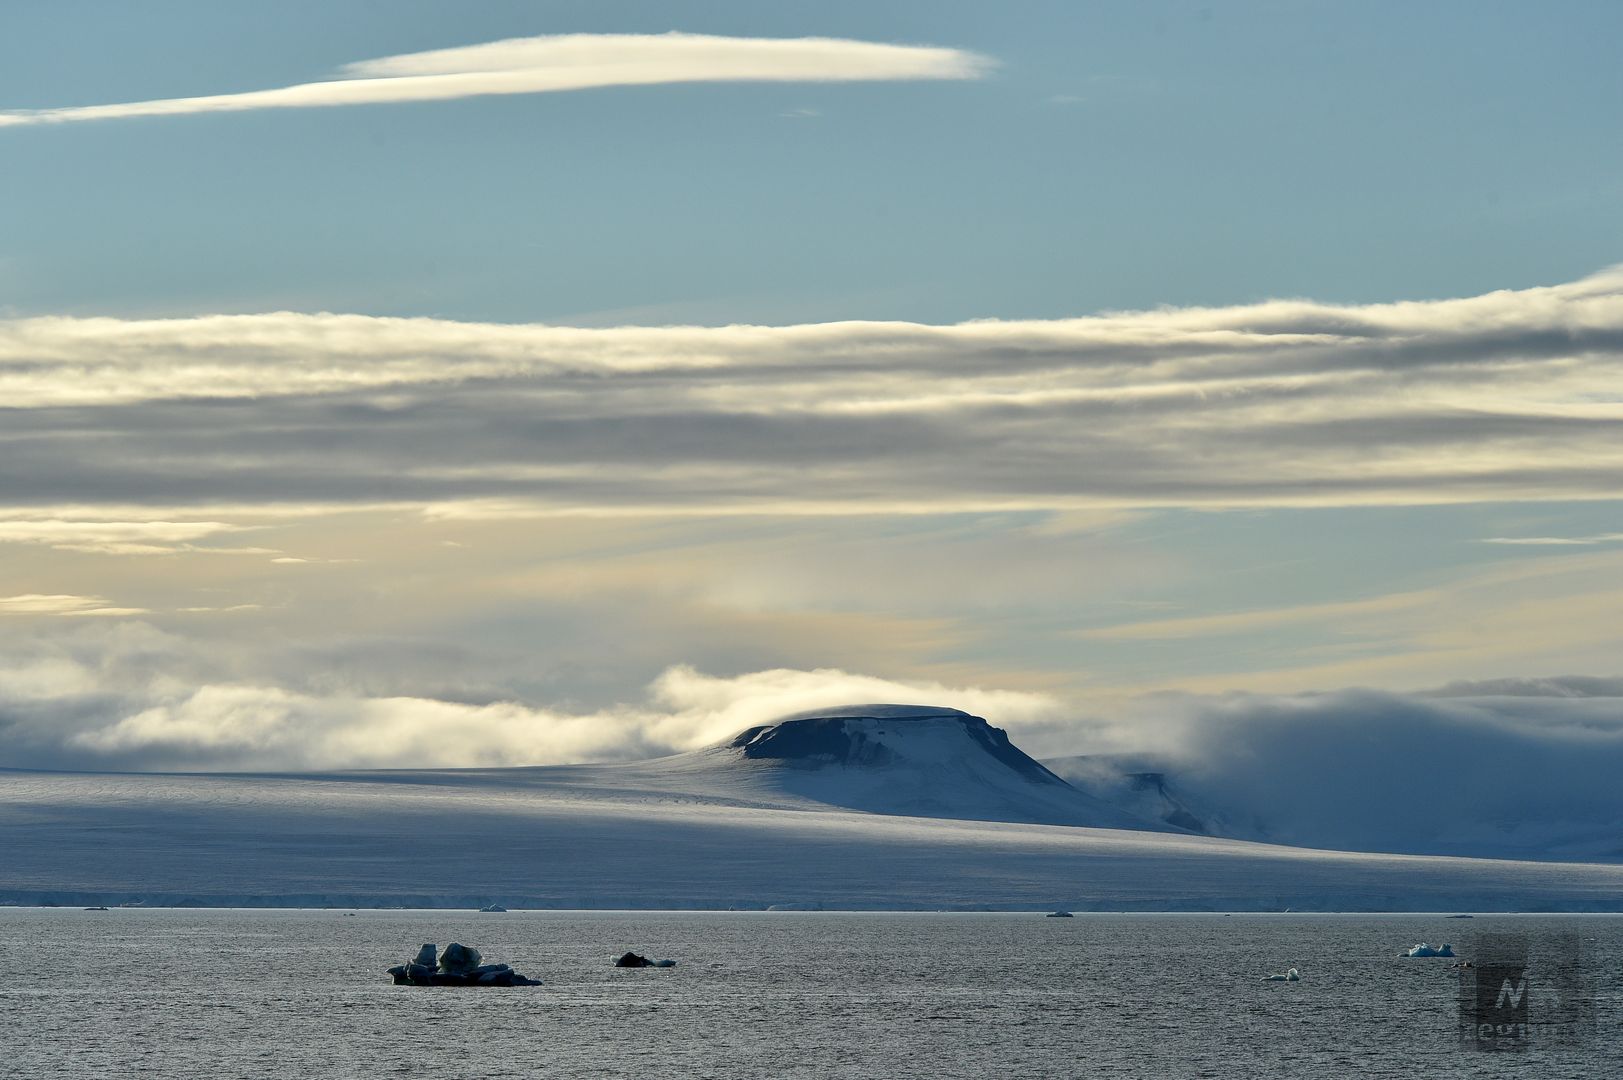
point(257, 993)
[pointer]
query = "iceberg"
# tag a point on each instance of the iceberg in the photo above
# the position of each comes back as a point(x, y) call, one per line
point(634, 960)
point(459, 965)
point(459, 959)
point(1423, 949)
point(1290, 976)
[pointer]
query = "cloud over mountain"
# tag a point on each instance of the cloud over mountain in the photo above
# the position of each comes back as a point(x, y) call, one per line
point(131, 696)
point(1520, 767)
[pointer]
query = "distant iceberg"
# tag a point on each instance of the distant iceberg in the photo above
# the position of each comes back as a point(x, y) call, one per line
point(1423, 949)
point(1290, 976)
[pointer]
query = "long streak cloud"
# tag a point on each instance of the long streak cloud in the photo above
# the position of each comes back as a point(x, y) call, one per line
point(553, 63)
point(1510, 395)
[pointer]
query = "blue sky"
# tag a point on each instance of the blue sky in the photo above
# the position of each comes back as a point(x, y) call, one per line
point(1148, 470)
point(1121, 155)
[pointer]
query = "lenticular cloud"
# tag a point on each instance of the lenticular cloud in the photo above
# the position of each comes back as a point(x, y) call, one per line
point(553, 63)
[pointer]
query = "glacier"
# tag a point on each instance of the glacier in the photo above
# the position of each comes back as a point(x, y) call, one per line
point(861, 808)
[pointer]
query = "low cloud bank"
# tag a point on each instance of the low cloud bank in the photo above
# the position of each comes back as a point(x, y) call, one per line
point(1524, 766)
point(1512, 766)
point(90, 700)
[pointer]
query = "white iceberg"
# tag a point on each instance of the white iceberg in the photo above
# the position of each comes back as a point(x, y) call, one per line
point(1423, 949)
point(1290, 976)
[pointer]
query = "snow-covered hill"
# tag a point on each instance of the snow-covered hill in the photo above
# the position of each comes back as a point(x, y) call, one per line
point(913, 760)
point(847, 809)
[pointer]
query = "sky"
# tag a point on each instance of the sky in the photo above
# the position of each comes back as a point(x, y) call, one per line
point(499, 383)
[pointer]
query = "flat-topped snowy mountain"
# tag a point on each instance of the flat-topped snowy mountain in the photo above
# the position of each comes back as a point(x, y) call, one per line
point(916, 760)
point(865, 807)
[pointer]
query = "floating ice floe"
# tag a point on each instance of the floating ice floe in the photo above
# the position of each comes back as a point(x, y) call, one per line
point(633, 960)
point(1290, 976)
point(1423, 949)
point(1060, 914)
point(458, 965)
point(492, 907)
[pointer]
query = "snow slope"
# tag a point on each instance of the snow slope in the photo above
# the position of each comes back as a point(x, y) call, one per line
point(808, 818)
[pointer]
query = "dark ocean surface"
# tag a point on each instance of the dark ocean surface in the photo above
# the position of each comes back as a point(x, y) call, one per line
point(279, 993)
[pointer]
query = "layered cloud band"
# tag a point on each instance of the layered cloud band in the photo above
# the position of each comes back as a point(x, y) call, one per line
point(1510, 395)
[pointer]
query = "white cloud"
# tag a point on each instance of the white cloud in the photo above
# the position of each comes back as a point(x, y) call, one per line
point(37, 603)
point(728, 705)
point(1506, 396)
point(61, 604)
point(552, 63)
point(1554, 541)
point(115, 537)
point(260, 727)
